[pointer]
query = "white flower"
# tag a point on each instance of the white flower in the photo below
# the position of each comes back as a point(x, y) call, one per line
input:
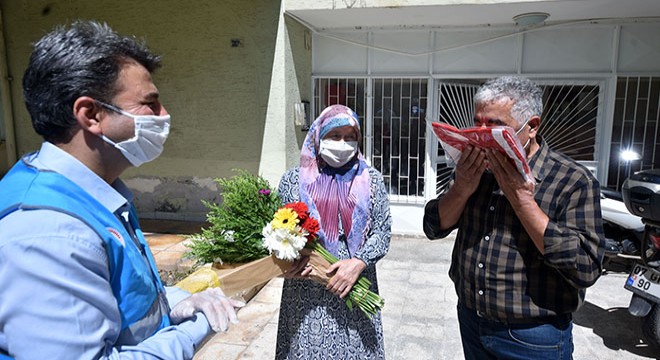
point(284, 244)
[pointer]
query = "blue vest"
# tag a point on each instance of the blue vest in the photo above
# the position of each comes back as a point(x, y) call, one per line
point(135, 284)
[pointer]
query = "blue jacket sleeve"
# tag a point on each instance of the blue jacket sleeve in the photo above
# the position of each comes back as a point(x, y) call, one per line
point(57, 301)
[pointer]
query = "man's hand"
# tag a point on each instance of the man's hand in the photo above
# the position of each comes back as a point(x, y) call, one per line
point(346, 273)
point(467, 176)
point(217, 308)
point(521, 197)
point(515, 188)
point(468, 170)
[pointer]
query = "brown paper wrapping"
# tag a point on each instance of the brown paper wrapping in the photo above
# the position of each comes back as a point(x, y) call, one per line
point(240, 280)
point(244, 281)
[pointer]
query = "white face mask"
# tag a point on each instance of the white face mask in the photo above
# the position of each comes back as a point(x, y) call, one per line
point(150, 134)
point(337, 153)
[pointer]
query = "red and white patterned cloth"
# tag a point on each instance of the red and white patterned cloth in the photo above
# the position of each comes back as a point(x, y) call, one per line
point(503, 138)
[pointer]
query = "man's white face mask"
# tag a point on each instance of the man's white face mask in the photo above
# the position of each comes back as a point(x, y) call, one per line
point(337, 153)
point(151, 131)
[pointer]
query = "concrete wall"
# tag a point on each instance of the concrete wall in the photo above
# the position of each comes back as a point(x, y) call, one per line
point(291, 77)
point(299, 84)
point(219, 96)
point(3, 158)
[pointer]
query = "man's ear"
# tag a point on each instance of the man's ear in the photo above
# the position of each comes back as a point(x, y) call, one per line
point(534, 124)
point(89, 114)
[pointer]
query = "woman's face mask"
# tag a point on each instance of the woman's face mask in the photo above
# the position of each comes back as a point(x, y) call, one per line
point(337, 153)
point(151, 131)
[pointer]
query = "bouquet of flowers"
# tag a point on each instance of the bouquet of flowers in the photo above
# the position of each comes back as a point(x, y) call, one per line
point(251, 226)
point(235, 232)
point(291, 230)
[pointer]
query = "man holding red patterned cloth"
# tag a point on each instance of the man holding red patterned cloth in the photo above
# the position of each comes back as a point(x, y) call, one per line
point(524, 252)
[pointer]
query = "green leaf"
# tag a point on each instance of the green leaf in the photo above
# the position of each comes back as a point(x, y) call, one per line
point(237, 221)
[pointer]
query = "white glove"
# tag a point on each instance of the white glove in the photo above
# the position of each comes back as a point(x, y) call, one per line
point(217, 308)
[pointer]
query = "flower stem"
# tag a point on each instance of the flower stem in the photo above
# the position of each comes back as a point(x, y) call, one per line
point(368, 301)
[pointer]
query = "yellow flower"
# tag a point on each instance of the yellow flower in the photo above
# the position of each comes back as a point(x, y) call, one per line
point(285, 219)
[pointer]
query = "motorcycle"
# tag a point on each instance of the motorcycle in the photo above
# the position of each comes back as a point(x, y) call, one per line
point(641, 196)
point(623, 230)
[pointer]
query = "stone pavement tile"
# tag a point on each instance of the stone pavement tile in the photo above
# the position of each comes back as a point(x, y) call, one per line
point(254, 336)
point(604, 329)
point(271, 293)
point(418, 339)
point(219, 351)
point(254, 317)
point(180, 247)
point(158, 242)
point(390, 272)
point(420, 302)
point(263, 347)
point(168, 260)
point(421, 306)
point(394, 294)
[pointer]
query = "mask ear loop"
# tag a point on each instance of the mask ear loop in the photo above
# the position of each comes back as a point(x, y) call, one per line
point(526, 143)
point(521, 129)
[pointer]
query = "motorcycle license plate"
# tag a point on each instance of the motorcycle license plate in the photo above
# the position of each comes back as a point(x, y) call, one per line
point(645, 282)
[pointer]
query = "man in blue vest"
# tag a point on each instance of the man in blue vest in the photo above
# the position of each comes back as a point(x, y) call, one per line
point(78, 279)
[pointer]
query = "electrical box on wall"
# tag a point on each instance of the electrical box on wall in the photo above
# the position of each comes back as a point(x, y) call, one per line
point(301, 115)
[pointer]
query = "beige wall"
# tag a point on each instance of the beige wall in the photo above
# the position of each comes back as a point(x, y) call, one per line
point(292, 77)
point(3, 157)
point(298, 74)
point(218, 95)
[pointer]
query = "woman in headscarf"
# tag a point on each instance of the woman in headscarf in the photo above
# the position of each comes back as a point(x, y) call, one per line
point(349, 199)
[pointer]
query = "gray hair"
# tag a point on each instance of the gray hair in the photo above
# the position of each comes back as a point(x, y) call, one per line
point(527, 97)
point(83, 60)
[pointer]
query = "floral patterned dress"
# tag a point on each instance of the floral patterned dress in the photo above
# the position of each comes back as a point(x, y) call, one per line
point(316, 324)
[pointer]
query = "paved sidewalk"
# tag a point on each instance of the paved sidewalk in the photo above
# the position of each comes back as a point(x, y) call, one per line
point(419, 317)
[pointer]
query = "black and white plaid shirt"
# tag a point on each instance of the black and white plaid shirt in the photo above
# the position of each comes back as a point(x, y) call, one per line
point(497, 270)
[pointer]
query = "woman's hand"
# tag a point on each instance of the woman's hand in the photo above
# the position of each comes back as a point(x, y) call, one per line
point(299, 268)
point(346, 272)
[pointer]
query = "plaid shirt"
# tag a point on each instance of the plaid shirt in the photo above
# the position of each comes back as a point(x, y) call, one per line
point(497, 270)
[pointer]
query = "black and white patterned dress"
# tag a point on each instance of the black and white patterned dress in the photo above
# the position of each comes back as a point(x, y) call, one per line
point(316, 324)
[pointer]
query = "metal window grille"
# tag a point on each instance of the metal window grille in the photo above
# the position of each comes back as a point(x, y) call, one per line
point(455, 107)
point(351, 92)
point(635, 127)
point(570, 118)
point(399, 143)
